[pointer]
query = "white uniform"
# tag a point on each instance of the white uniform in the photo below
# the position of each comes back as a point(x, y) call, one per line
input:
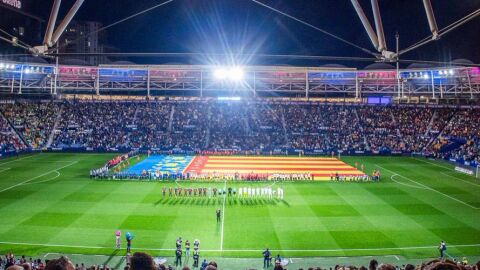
point(240, 190)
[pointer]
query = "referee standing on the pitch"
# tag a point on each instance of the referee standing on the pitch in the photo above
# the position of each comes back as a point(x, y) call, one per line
point(218, 214)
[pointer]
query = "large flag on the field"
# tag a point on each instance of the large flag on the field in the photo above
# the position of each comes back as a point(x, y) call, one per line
point(320, 167)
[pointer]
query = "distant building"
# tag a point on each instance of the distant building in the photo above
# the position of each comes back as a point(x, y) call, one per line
point(83, 37)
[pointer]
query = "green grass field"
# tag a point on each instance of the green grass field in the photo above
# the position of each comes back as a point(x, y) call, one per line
point(48, 204)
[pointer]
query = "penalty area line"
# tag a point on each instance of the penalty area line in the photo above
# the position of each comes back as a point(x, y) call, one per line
point(38, 176)
point(454, 177)
point(18, 159)
point(403, 184)
point(246, 250)
point(429, 188)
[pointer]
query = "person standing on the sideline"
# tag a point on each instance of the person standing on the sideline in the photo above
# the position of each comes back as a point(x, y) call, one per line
point(196, 245)
point(178, 243)
point(196, 258)
point(266, 258)
point(218, 215)
point(187, 250)
point(118, 234)
point(129, 242)
point(442, 248)
point(178, 257)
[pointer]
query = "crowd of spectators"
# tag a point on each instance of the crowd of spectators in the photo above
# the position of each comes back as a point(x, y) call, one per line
point(144, 261)
point(95, 125)
point(464, 129)
point(34, 121)
point(9, 140)
point(323, 127)
point(247, 126)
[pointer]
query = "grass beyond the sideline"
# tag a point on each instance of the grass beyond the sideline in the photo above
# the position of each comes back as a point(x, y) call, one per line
point(48, 204)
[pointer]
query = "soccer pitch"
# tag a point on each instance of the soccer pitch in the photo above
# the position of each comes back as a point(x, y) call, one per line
point(48, 204)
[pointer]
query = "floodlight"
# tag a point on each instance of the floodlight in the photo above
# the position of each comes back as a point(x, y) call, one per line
point(27, 71)
point(450, 72)
point(425, 76)
point(235, 74)
point(2, 65)
point(220, 74)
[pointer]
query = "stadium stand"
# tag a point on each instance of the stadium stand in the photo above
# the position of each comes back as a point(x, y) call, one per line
point(33, 120)
point(211, 125)
point(9, 140)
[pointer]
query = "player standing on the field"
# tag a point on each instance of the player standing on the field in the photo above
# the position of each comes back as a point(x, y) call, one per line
point(178, 257)
point(196, 245)
point(178, 243)
point(118, 234)
point(218, 215)
point(196, 258)
point(442, 248)
point(187, 249)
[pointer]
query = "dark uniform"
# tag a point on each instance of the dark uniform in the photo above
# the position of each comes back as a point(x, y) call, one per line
point(178, 257)
point(218, 215)
point(266, 258)
point(196, 257)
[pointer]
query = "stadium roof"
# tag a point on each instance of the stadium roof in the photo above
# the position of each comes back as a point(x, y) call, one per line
point(254, 27)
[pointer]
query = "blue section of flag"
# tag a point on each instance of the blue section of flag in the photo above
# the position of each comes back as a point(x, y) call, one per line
point(161, 163)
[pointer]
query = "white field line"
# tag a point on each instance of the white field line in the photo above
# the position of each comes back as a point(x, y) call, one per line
point(429, 188)
point(38, 176)
point(434, 164)
point(245, 250)
point(450, 169)
point(44, 181)
point(6, 169)
point(15, 160)
point(468, 182)
point(223, 215)
point(400, 183)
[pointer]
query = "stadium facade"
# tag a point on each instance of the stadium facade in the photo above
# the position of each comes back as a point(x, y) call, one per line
point(258, 81)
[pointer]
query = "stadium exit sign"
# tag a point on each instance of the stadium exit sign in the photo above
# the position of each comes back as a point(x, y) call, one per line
point(13, 3)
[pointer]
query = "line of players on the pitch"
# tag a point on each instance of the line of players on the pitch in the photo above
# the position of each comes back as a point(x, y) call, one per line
point(355, 178)
point(244, 192)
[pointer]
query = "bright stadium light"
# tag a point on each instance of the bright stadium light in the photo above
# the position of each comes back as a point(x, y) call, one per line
point(450, 72)
point(425, 76)
point(220, 74)
point(235, 74)
point(2, 65)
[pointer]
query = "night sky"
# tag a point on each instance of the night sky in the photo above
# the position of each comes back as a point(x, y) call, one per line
point(241, 26)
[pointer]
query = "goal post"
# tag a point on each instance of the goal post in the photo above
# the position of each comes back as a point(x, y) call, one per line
point(477, 172)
